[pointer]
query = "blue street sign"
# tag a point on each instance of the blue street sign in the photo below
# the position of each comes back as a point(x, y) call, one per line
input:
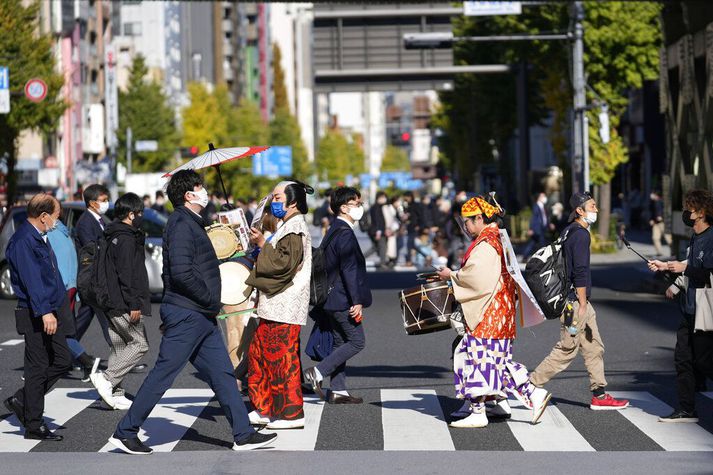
point(4, 78)
point(273, 162)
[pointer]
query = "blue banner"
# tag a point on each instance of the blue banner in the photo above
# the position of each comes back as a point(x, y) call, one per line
point(273, 162)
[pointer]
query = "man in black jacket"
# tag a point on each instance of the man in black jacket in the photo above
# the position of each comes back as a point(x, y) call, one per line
point(128, 285)
point(377, 229)
point(191, 301)
point(348, 296)
point(90, 228)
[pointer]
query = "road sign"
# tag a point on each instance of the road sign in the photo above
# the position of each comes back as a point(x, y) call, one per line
point(36, 90)
point(146, 145)
point(274, 162)
point(491, 8)
point(4, 90)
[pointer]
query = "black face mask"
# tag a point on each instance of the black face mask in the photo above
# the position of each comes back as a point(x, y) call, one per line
point(138, 220)
point(686, 218)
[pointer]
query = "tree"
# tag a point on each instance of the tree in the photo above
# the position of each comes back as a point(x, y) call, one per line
point(27, 55)
point(203, 120)
point(278, 78)
point(395, 159)
point(332, 160)
point(622, 41)
point(355, 154)
point(145, 108)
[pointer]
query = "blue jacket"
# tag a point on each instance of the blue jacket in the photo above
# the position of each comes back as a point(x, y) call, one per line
point(87, 229)
point(346, 269)
point(66, 254)
point(537, 222)
point(191, 278)
point(34, 272)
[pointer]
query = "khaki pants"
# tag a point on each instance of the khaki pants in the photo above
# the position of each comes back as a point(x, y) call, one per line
point(240, 334)
point(658, 232)
point(587, 339)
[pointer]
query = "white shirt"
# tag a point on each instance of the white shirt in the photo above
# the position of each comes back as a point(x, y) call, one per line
point(351, 225)
point(97, 216)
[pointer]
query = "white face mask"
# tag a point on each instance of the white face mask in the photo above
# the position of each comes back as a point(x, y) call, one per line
point(103, 207)
point(590, 218)
point(356, 213)
point(202, 200)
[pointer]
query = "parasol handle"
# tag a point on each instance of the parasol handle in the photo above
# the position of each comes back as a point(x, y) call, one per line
point(222, 184)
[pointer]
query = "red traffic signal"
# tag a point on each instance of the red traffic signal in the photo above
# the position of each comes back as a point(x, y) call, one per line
point(194, 150)
point(405, 137)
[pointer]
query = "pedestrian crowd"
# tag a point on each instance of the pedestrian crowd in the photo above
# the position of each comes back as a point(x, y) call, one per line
point(294, 282)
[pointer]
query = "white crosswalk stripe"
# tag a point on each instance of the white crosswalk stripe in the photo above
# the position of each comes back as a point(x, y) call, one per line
point(411, 419)
point(61, 405)
point(644, 412)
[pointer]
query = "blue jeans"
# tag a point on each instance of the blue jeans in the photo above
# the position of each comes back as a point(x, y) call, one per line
point(84, 319)
point(75, 348)
point(188, 336)
point(348, 341)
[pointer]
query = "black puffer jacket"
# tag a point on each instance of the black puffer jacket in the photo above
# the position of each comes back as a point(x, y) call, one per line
point(127, 278)
point(191, 278)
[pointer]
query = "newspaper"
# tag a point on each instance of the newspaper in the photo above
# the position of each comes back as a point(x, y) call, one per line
point(259, 212)
point(235, 218)
point(529, 310)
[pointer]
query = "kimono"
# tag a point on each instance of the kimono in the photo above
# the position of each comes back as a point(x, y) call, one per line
point(482, 363)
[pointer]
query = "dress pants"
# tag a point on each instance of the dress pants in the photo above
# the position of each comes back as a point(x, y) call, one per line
point(348, 341)
point(47, 359)
point(84, 319)
point(693, 359)
point(188, 336)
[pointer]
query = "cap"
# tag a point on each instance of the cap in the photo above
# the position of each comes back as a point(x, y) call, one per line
point(577, 200)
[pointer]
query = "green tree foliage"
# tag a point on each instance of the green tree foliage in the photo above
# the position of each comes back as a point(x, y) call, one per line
point(332, 160)
point(145, 108)
point(203, 120)
point(27, 55)
point(278, 78)
point(355, 154)
point(395, 159)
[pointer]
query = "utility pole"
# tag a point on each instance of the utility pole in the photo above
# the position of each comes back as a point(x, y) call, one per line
point(129, 148)
point(579, 173)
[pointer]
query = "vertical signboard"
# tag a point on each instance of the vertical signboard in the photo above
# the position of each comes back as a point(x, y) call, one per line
point(491, 8)
point(4, 90)
point(112, 97)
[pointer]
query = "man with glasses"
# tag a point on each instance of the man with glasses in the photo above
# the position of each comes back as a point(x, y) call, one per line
point(349, 295)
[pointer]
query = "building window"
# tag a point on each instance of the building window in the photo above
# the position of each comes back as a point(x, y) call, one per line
point(132, 29)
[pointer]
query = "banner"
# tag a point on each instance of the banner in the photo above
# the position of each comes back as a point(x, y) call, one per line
point(528, 312)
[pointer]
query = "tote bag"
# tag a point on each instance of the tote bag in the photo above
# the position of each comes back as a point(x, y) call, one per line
point(704, 308)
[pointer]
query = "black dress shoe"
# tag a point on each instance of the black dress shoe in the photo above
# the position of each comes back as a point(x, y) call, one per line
point(311, 379)
point(339, 399)
point(139, 368)
point(43, 433)
point(15, 406)
point(679, 415)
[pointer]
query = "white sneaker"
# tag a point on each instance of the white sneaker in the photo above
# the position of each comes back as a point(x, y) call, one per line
point(257, 419)
point(104, 388)
point(475, 420)
point(287, 424)
point(464, 411)
point(122, 403)
point(540, 397)
point(498, 409)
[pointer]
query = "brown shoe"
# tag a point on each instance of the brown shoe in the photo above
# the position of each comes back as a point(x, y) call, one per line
point(339, 399)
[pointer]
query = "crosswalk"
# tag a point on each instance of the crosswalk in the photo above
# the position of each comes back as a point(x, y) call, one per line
point(411, 420)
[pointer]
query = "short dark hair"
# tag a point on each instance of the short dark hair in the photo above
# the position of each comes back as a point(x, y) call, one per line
point(41, 203)
point(126, 204)
point(342, 196)
point(93, 192)
point(182, 181)
point(700, 200)
point(159, 194)
point(296, 192)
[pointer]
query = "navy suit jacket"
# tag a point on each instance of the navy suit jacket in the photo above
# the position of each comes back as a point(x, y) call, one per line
point(537, 226)
point(346, 269)
point(87, 229)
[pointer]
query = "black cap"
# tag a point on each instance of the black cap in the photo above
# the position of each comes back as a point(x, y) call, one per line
point(577, 200)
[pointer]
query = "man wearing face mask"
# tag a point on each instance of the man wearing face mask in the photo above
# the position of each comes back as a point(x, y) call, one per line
point(693, 354)
point(538, 226)
point(348, 296)
point(580, 331)
point(42, 316)
point(90, 228)
point(191, 301)
point(128, 285)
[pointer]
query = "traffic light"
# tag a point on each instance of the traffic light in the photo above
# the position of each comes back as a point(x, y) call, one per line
point(401, 139)
point(189, 152)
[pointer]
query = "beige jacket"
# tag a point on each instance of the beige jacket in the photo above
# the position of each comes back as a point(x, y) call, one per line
point(477, 283)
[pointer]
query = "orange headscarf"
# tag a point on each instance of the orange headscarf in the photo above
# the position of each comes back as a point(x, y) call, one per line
point(479, 205)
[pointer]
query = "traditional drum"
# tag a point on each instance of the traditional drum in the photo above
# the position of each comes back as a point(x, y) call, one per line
point(233, 275)
point(427, 308)
point(225, 242)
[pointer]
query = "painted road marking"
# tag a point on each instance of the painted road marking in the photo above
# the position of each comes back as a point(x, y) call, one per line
point(301, 439)
point(14, 342)
point(553, 433)
point(413, 420)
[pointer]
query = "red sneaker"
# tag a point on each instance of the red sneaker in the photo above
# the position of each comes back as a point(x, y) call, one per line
point(607, 403)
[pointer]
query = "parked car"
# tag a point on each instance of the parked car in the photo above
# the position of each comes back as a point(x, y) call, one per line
point(153, 225)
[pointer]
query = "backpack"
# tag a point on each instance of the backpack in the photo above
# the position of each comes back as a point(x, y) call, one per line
point(546, 275)
point(91, 277)
point(365, 222)
point(319, 286)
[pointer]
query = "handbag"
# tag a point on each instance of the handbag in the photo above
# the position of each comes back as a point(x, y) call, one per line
point(704, 307)
point(321, 340)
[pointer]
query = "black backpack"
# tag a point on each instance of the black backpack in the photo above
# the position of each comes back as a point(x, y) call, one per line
point(319, 286)
point(546, 275)
point(91, 277)
point(365, 222)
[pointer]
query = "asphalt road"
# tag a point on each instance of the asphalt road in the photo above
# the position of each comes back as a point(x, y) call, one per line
point(638, 330)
